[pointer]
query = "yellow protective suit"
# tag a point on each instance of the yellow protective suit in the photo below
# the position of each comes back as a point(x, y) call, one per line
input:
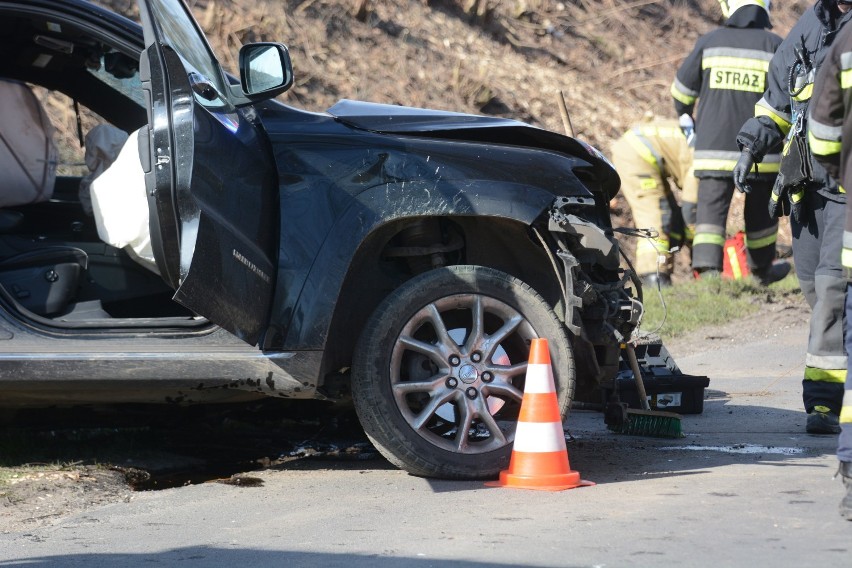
point(646, 157)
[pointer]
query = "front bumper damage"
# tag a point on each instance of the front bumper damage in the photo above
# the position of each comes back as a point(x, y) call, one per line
point(603, 309)
point(602, 301)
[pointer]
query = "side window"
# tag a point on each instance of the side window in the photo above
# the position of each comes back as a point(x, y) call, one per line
point(72, 120)
point(64, 117)
point(120, 72)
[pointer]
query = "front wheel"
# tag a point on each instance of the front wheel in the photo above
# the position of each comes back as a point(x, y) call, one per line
point(438, 373)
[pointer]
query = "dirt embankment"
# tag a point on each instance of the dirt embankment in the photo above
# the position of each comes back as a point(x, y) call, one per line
point(614, 60)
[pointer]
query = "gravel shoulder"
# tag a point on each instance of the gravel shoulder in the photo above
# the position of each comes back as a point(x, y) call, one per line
point(32, 498)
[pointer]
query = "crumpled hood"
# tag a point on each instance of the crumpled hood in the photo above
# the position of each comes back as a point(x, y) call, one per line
point(394, 118)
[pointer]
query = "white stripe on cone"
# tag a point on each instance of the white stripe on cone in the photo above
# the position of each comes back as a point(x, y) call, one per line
point(539, 379)
point(539, 437)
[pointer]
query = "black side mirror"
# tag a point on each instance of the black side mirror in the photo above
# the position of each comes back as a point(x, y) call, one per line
point(265, 70)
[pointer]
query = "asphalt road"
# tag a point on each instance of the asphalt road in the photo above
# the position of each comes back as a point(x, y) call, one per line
point(746, 487)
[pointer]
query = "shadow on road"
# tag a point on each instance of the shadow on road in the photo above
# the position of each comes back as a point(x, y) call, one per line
point(160, 446)
point(225, 557)
point(726, 433)
point(173, 446)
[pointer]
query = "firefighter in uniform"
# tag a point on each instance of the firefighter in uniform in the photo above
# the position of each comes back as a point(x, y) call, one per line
point(646, 157)
point(830, 137)
point(726, 74)
point(815, 203)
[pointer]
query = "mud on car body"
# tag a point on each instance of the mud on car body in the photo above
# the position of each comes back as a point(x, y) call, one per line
point(401, 258)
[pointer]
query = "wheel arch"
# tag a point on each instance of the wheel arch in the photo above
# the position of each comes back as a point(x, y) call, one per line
point(505, 244)
point(347, 279)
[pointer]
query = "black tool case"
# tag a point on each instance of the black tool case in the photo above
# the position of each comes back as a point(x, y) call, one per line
point(667, 387)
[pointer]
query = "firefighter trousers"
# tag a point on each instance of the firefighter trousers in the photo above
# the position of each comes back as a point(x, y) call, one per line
point(844, 442)
point(714, 200)
point(816, 253)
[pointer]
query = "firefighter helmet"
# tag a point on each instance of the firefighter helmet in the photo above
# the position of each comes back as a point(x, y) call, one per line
point(731, 6)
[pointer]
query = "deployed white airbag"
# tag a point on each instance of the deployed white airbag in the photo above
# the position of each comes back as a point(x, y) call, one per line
point(27, 152)
point(103, 143)
point(120, 205)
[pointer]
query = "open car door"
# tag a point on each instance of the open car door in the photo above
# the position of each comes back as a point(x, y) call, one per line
point(210, 177)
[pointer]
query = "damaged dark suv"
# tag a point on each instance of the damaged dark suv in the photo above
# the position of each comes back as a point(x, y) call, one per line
point(398, 257)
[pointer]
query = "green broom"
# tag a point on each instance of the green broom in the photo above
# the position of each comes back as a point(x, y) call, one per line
point(646, 422)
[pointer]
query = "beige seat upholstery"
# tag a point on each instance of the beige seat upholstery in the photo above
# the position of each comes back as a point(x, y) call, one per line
point(28, 153)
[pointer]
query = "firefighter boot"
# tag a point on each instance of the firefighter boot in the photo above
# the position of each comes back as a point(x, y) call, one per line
point(821, 420)
point(772, 273)
point(845, 471)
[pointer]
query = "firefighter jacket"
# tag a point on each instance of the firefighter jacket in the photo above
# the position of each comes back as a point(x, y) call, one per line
point(726, 72)
point(830, 123)
point(662, 146)
point(789, 89)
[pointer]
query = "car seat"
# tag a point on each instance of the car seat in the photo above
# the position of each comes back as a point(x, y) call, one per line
point(43, 280)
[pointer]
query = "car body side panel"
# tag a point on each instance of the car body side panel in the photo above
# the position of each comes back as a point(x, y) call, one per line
point(338, 186)
point(136, 366)
point(177, 370)
point(309, 306)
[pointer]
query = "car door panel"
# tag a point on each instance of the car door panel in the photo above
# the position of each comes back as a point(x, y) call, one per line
point(153, 142)
point(211, 185)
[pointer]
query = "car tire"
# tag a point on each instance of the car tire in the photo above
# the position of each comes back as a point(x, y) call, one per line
point(421, 368)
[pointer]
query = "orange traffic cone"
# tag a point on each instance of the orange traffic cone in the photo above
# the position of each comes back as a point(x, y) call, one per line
point(539, 456)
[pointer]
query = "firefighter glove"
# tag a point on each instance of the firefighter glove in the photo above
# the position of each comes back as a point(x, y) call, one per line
point(687, 126)
point(786, 200)
point(742, 169)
